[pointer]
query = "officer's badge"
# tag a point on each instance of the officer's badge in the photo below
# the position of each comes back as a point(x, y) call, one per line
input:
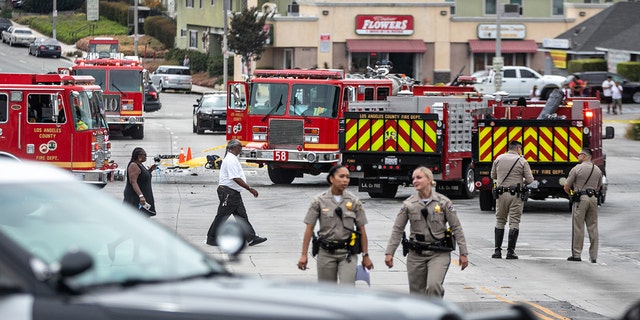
point(349, 205)
point(437, 209)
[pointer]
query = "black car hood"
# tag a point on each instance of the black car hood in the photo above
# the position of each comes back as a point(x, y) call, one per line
point(247, 298)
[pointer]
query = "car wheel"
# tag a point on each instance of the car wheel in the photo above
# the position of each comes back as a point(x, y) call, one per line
point(10, 43)
point(37, 54)
point(636, 97)
point(198, 129)
point(194, 127)
point(161, 87)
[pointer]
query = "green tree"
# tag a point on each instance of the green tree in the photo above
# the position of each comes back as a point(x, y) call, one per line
point(247, 35)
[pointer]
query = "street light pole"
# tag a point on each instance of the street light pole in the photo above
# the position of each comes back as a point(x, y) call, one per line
point(225, 49)
point(55, 17)
point(498, 62)
point(135, 28)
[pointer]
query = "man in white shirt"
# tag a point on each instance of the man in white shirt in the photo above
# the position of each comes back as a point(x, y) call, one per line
point(616, 95)
point(232, 181)
point(606, 92)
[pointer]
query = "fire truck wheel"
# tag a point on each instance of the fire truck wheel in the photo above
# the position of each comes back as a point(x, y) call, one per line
point(467, 187)
point(137, 132)
point(487, 203)
point(281, 176)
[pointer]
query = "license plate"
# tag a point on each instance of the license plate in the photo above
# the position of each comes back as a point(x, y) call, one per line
point(223, 121)
point(281, 156)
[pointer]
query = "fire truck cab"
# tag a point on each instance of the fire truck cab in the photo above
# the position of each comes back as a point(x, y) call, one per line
point(121, 81)
point(55, 118)
point(104, 47)
point(288, 119)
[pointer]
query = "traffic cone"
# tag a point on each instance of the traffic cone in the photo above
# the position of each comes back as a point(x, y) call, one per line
point(181, 158)
point(188, 153)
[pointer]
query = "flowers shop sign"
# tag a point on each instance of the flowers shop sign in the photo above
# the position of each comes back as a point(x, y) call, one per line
point(384, 25)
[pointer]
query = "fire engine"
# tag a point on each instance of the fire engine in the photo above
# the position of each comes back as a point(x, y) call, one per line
point(288, 119)
point(428, 126)
point(122, 85)
point(550, 143)
point(104, 47)
point(55, 118)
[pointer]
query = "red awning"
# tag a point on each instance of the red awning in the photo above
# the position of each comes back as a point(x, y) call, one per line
point(507, 46)
point(357, 45)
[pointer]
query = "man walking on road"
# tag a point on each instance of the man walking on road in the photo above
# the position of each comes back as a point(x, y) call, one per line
point(509, 171)
point(583, 185)
point(232, 181)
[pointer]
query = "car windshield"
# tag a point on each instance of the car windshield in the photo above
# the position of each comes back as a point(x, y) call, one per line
point(50, 219)
point(214, 102)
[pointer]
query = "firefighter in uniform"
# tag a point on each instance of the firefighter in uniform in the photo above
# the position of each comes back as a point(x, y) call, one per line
point(583, 185)
point(510, 172)
point(339, 213)
point(428, 213)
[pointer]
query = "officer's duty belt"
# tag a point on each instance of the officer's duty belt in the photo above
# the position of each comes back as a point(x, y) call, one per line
point(332, 245)
point(588, 192)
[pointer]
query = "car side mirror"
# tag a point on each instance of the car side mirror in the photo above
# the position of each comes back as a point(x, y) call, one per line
point(231, 238)
point(609, 133)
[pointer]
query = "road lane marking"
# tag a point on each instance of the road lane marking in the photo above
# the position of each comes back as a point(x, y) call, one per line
point(550, 315)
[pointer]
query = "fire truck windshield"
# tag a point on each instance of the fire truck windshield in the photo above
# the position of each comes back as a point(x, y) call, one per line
point(268, 98)
point(99, 74)
point(315, 100)
point(83, 116)
point(125, 80)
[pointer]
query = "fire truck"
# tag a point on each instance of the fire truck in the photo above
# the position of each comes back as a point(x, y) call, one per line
point(428, 126)
point(104, 47)
point(287, 120)
point(55, 118)
point(121, 81)
point(552, 136)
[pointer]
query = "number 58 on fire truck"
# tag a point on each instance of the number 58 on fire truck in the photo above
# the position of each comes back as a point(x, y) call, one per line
point(55, 118)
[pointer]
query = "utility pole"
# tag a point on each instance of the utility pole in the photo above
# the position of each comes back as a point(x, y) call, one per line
point(135, 28)
point(498, 62)
point(55, 17)
point(225, 49)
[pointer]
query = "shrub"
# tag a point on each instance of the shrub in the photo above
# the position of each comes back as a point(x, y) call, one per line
point(161, 28)
point(581, 65)
point(633, 132)
point(629, 70)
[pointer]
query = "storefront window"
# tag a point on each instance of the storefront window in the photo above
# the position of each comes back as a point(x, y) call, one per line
point(558, 8)
point(482, 61)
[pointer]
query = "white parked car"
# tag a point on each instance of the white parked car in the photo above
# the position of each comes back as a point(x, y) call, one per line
point(17, 35)
point(518, 82)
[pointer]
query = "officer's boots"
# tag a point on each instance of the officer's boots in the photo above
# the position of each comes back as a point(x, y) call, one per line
point(499, 235)
point(511, 246)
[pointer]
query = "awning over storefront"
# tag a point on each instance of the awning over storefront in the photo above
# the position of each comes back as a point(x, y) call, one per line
point(511, 46)
point(361, 45)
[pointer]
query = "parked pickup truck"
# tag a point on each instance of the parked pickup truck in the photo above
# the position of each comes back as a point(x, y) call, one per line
point(518, 82)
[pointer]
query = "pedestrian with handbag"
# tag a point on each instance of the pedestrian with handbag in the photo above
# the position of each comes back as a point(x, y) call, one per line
point(341, 235)
point(428, 252)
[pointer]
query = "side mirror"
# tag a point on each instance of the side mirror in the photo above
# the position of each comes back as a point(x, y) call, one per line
point(609, 133)
point(231, 238)
point(74, 263)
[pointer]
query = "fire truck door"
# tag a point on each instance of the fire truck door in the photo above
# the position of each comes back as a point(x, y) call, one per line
point(237, 100)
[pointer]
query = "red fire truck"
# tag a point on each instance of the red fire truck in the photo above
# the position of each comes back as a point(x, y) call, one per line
point(550, 143)
point(104, 47)
point(122, 85)
point(288, 119)
point(55, 118)
point(430, 126)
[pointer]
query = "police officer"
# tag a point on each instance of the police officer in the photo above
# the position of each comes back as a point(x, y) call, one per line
point(339, 213)
point(509, 171)
point(428, 213)
point(584, 183)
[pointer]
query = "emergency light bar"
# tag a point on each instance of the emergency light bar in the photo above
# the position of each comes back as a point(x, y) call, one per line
point(299, 74)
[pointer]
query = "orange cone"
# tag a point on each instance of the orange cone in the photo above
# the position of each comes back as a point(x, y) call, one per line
point(188, 153)
point(181, 158)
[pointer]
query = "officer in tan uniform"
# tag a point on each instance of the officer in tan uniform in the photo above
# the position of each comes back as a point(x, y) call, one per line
point(510, 172)
point(583, 185)
point(339, 213)
point(428, 213)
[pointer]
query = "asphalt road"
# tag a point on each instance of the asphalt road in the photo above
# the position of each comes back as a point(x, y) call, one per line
point(541, 278)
